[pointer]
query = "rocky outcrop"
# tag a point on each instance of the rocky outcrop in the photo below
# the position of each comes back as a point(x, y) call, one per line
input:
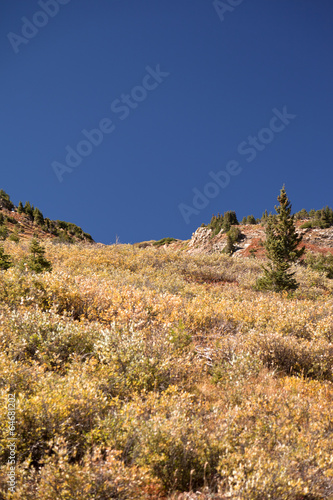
point(319, 237)
point(252, 239)
point(203, 241)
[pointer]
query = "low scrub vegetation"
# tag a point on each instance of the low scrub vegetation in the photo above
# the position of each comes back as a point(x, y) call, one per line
point(149, 373)
point(164, 241)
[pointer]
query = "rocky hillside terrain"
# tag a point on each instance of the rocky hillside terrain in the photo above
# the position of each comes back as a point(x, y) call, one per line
point(24, 222)
point(251, 240)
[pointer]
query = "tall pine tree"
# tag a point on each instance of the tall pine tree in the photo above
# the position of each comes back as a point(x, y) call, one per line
point(281, 249)
point(38, 217)
point(20, 208)
point(29, 210)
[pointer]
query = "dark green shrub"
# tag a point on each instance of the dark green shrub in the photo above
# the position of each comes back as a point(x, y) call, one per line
point(63, 237)
point(3, 232)
point(62, 224)
point(5, 260)
point(88, 237)
point(230, 248)
point(14, 237)
point(306, 224)
point(163, 241)
point(234, 234)
point(36, 261)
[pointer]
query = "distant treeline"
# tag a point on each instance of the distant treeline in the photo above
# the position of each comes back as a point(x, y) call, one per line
point(314, 218)
point(65, 231)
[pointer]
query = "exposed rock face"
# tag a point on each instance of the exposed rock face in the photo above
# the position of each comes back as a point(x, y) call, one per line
point(201, 236)
point(319, 237)
point(203, 241)
point(252, 239)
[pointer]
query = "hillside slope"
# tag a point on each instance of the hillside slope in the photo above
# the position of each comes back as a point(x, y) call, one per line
point(155, 373)
point(158, 371)
point(25, 222)
point(252, 237)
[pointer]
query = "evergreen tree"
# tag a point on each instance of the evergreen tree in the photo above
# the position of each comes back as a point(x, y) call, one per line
point(5, 200)
point(251, 219)
point(229, 219)
point(264, 217)
point(244, 219)
point(303, 214)
point(329, 214)
point(216, 223)
point(233, 236)
point(36, 261)
point(5, 260)
point(230, 247)
point(281, 248)
point(46, 226)
point(20, 207)
point(38, 217)
point(325, 221)
point(28, 210)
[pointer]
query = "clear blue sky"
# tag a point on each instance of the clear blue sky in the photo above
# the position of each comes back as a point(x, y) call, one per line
point(197, 85)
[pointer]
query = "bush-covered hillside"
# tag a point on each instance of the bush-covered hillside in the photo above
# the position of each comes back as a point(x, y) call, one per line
point(149, 373)
point(25, 221)
point(314, 218)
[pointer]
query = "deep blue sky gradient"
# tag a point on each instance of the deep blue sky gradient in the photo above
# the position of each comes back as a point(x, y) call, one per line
point(224, 80)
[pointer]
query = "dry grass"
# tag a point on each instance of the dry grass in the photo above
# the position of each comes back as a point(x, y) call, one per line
point(149, 373)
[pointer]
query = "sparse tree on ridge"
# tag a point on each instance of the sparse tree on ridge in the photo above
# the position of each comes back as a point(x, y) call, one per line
point(5, 200)
point(281, 248)
point(250, 219)
point(38, 217)
point(29, 210)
